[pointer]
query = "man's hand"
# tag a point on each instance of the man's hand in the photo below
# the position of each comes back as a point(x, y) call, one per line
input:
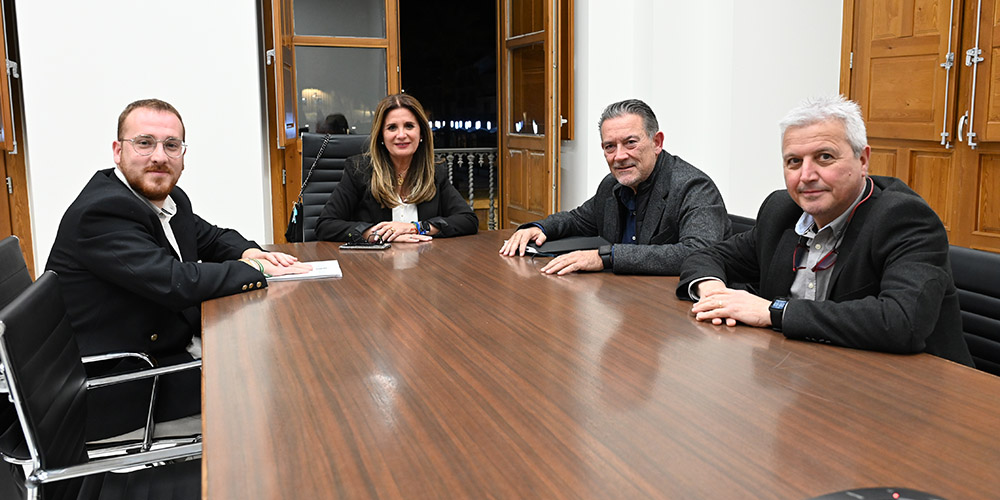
point(719, 304)
point(580, 260)
point(275, 263)
point(275, 258)
point(517, 242)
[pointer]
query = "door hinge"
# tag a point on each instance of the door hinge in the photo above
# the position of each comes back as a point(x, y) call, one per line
point(12, 69)
point(283, 178)
point(850, 65)
point(10, 186)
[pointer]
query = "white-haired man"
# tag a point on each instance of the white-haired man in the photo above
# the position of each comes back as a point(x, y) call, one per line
point(840, 257)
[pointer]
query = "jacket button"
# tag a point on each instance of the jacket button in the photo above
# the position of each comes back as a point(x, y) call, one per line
point(153, 337)
point(244, 287)
point(259, 284)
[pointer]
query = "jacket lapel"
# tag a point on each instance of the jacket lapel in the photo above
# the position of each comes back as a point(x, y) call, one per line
point(612, 216)
point(655, 206)
point(851, 233)
point(781, 265)
point(184, 234)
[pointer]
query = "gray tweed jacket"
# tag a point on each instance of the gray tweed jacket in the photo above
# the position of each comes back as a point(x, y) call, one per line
point(685, 212)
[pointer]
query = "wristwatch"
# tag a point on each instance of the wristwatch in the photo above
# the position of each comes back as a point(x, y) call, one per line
point(777, 309)
point(605, 252)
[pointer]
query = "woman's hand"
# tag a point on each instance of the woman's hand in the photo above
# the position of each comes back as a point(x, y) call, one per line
point(399, 232)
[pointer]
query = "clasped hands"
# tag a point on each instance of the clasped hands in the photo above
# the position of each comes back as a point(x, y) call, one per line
point(581, 260)
point(276, 263)
point(395, 232)
point(719, 305)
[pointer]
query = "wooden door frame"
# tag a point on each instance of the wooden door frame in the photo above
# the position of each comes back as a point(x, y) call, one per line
point(553, 103)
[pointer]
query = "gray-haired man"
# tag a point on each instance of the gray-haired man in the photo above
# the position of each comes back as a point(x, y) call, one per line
point(841, 257)
point(653, 207)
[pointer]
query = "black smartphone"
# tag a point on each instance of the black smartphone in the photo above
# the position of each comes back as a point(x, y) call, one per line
point(365, 246)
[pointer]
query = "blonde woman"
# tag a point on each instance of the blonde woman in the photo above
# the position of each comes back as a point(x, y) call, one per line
point(393, 192)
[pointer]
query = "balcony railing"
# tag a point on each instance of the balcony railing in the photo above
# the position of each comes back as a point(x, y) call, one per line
point(473, 172)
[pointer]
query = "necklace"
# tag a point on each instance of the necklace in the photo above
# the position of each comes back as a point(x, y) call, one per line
point(399, 179)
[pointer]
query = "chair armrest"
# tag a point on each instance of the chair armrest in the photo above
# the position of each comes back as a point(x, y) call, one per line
point(152, 372)
point(119, 355)
point(89, 359)
point(103, 465)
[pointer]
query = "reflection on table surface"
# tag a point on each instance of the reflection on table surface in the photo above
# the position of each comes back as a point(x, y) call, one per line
point(444, 370)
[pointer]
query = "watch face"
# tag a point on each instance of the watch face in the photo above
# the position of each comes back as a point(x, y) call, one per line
point(779, 304)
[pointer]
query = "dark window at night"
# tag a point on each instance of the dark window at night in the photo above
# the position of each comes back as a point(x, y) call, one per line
point(448, 62)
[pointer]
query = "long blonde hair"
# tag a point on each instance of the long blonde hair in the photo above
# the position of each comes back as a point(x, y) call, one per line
point(419, 181)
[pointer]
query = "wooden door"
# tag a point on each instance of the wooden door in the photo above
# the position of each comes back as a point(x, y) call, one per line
point(904, 81)
point(978, 206)
point(529, 102)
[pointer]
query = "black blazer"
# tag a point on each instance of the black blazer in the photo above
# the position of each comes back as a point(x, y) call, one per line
point(352, 209)
point(126, 290)
point(891, 289)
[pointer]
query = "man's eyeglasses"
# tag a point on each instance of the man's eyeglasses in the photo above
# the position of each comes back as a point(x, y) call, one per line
point(145, 145)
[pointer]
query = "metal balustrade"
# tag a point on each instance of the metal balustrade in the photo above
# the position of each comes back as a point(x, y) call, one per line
point(477, 163)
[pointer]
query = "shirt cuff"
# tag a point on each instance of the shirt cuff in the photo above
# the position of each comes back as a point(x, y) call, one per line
point(693, 286)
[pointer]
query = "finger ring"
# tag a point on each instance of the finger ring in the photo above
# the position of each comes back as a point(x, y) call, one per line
point(719, 302)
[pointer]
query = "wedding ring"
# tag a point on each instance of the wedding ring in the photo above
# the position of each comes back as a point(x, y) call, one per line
point(719, 302)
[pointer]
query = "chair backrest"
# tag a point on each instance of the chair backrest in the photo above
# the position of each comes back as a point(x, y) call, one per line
point(327, 174)
point(977, 277)
point(741, 224)
point(45, 374)
point(14, 279)
point(14, 276)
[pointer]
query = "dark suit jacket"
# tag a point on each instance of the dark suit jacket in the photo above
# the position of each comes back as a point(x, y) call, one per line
point(891, 289)
point(126, 290)
point(352, 209)
point(685, 212)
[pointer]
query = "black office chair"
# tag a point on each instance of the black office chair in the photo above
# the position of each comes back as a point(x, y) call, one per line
point(328, 172)
point(49, 386)
point(977, 276)
point(14, 279)
point(741, 224)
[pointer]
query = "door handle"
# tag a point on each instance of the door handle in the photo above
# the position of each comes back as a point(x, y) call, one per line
point(961, 125)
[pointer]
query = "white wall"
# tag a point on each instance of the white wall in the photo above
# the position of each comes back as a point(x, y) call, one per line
point(82, 62)
point(719, 75)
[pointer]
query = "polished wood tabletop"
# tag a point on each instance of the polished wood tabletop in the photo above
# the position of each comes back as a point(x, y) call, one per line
point(444, 370)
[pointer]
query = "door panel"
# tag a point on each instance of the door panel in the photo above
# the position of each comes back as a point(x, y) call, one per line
point(930, 174)
point(988, 191)
point(882, 162)
point(898, 80)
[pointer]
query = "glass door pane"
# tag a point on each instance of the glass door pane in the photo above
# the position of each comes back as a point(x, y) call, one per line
point(527, 86)
point(350, 18)
point(331, 80)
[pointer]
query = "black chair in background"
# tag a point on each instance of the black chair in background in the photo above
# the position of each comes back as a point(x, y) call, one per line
point(49, 386)
point(328, 172)
point(977, 276)
point(14, 279)
point(741, 224)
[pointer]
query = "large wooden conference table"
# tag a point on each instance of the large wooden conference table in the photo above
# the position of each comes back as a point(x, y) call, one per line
point(443, 370)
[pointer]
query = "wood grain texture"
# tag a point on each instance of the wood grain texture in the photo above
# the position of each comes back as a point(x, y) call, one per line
point(444, 370)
